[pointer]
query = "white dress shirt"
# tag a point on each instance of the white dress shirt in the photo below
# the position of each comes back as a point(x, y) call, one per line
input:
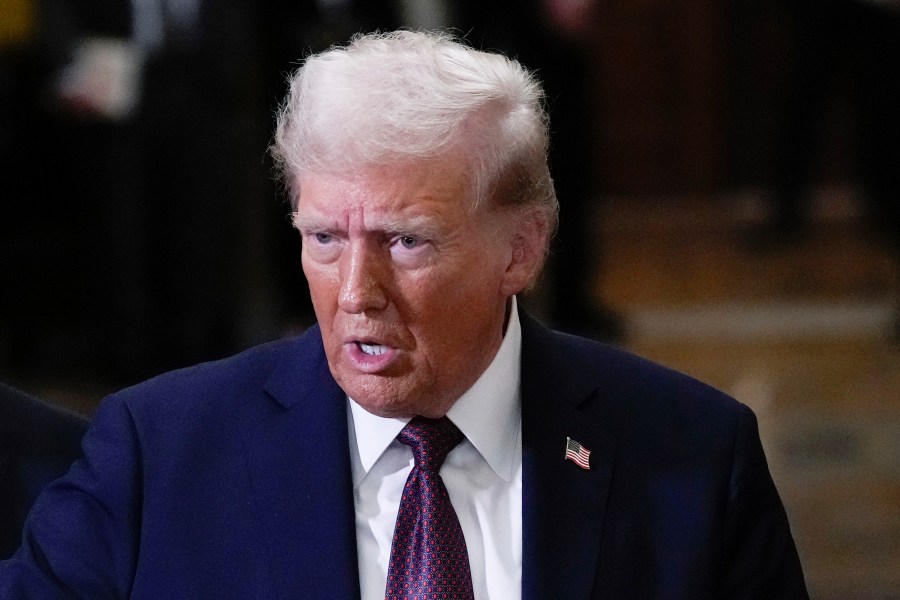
point(483, 475)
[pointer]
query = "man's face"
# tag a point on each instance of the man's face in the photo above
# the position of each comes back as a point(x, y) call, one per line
point(409, 283)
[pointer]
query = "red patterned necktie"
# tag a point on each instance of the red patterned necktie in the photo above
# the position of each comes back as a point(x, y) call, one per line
point(428, 552)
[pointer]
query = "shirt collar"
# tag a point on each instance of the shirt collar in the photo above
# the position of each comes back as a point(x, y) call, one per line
point(488, 413)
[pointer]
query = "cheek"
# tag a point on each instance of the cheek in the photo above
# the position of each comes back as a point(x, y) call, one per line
point(448, 309)
point(480, 282)
point(459, 291)
point(323, 287)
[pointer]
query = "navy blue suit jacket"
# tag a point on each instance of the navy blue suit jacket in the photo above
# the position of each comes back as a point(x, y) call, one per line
point(232, 480)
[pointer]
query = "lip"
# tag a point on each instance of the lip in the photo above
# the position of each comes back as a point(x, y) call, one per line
point(369, 363)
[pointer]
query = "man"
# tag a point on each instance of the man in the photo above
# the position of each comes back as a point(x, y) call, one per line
point(38, 442)
point(425, 439)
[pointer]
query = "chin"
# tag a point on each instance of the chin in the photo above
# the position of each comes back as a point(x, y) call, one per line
point(373, 397)
point(386, 409)
point(392, 397)
point(389, 406)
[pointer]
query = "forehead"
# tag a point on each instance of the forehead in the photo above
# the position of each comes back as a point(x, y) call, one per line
point(423, 187)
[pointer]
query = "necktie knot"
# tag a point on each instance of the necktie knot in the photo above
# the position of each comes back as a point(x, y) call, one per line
point(431, 440)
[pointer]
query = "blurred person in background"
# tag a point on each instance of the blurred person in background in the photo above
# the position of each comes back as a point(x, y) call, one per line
point(41, 252)
point(852, 46)
point(123, 241)
point(38, 443)
point(140, 239)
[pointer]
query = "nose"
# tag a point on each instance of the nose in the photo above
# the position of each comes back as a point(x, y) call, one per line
point(362, 280)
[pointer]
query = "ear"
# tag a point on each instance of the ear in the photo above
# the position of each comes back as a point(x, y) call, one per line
point(529, 240)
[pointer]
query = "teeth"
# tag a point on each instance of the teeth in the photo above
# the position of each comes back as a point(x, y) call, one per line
point(372, 349)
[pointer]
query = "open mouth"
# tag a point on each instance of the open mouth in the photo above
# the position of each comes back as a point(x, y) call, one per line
point(371, 349)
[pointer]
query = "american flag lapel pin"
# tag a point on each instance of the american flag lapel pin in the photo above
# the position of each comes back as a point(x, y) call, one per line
point(578, 454)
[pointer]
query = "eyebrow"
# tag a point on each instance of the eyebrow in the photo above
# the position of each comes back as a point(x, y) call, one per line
point(422, 225)
point(311, 223)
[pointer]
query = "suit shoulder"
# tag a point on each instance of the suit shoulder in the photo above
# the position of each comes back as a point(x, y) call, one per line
point(643, 401)
point(219, 386)
point(618, 375)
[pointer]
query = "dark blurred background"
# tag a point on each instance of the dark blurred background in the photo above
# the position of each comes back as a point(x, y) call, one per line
point(727, 171)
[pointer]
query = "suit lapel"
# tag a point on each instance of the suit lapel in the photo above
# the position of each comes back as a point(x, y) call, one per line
point(299, 459)
point(562, 504)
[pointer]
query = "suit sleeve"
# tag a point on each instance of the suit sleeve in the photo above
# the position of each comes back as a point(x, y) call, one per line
point(81, 537)
point(761, 560)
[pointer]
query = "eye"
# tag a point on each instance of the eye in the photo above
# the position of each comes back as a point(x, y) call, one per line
point(409, 242)
point(411, 250)
point(322, 237)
